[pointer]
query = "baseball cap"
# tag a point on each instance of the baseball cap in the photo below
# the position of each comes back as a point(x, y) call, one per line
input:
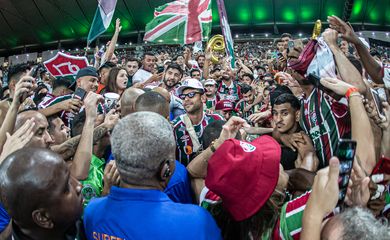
point(87, 71)
point(244, 174)
point(210, 82)
point(224, 105)
point(190, 83)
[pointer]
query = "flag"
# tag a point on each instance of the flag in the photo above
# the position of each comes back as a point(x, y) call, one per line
point(102, 19)
point(227, 35)
point(180, 22)
point(65, 65)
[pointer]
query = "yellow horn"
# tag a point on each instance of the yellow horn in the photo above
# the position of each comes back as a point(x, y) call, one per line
point(217, 47)
point(316, 29)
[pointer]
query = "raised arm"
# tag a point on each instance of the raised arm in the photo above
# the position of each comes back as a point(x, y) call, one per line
point(111, 47)
point(71, 105)
point(347, 71)
point(372, 67)
point(22, 87)
point(361, 128)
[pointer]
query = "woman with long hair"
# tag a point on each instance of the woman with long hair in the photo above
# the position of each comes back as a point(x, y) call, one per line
point(117, 81)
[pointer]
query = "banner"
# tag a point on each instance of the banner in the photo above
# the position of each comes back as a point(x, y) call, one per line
point(226, 32)
point(180, 22)
point(65, 65)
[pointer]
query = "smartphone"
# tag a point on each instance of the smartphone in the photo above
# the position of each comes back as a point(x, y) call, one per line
point(79, 94)
point(378, 102)
point(346, 154)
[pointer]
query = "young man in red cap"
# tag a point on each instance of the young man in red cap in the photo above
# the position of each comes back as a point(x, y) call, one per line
point(188, 128)
point(226, 109)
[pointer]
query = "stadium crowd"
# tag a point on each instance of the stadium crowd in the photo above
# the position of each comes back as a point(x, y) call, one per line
point(177, 146)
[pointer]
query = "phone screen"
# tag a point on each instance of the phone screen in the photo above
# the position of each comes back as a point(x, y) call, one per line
point(80, 94)
point(346, 154)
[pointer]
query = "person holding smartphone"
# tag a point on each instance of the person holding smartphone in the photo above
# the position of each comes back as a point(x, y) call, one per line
point(86, 81)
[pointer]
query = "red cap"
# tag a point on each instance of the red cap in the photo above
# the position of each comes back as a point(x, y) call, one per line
point(224, 105)
point(244, 174)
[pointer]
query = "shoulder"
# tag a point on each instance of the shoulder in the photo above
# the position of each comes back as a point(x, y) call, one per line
point(93, 206)
point(214, 117)
point(177, 122)
point(55, 100)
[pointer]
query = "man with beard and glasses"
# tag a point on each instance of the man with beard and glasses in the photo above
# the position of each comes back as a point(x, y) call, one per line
point(188, 128)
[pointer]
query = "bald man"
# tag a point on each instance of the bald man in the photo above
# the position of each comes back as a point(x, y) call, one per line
point(41, 137)
point(163, 93)
point(128, 99)
point(152, 102)
point(39, 194)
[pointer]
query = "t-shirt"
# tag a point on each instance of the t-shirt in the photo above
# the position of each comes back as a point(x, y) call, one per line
point(326, 124)
point(289, 224)
point(231, 93)
point(210, 103)
point(179, 187)
point(141, 76)
point(93, 185)
point(252, 110)
point(146, 214)
point(184, 151)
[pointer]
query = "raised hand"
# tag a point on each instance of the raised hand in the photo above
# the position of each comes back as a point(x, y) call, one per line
point(344, 28)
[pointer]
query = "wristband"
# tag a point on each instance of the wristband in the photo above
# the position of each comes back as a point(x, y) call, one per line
point(350, 91)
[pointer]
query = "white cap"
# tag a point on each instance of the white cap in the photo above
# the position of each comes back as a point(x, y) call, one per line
point(190, 83)
point(210, 82)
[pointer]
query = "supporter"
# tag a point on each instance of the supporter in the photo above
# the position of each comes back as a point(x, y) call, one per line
point(228, 89)
point(132, 65)
point(211, 88)
point(200, 59)
point(61, 86)
point(144, 174)
point(188, 128)
point(279, 45)
point(285, 38)
point(226, 109)
point(26, 176)
point(247, 78)
point(87, 80)
point(179, 187)
point(104, 72)
point(128, 99)
point(195, 73)
point(117, 81)
point(15, 74)
point(144, 76)
point(247, 105)
point(171, 82)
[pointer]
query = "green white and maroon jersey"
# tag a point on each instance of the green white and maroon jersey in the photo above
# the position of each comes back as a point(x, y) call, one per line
point(184, 151)
point(210, 103)
point(325, 123)
point(231, 93)
point(66, 116)
point(252, 110)
point(289, 224)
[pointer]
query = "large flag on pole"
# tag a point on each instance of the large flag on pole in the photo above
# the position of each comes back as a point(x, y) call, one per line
point(180, 22)
point(102, 19)
point(226, 31)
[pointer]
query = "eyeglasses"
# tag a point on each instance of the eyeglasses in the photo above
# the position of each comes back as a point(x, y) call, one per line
point(190, 95)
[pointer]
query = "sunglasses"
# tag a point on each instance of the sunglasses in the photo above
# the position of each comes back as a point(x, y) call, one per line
point(189, 95)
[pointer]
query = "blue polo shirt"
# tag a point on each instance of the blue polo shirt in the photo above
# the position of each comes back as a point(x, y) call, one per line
point(146, 214)
point(4, 218)
point(179, 186)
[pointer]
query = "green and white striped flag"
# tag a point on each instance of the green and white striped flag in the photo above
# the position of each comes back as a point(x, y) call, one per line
point(180, 22)
point(102, 19)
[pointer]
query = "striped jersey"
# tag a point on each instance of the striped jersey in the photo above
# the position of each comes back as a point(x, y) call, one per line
point(184, 151)
point(210, 103)
point(289, 224)
point(325, 123)
point(231, 93)
point(252, 110)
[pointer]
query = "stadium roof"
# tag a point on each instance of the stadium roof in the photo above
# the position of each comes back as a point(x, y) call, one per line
point(39, 23)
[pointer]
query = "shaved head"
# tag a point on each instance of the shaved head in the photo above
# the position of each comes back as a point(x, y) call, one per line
point(32, 182)
point(163, 93)
point(128, 99)
point(41, 137)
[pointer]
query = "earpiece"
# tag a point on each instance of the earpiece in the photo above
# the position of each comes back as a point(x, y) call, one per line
point(166, 170)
